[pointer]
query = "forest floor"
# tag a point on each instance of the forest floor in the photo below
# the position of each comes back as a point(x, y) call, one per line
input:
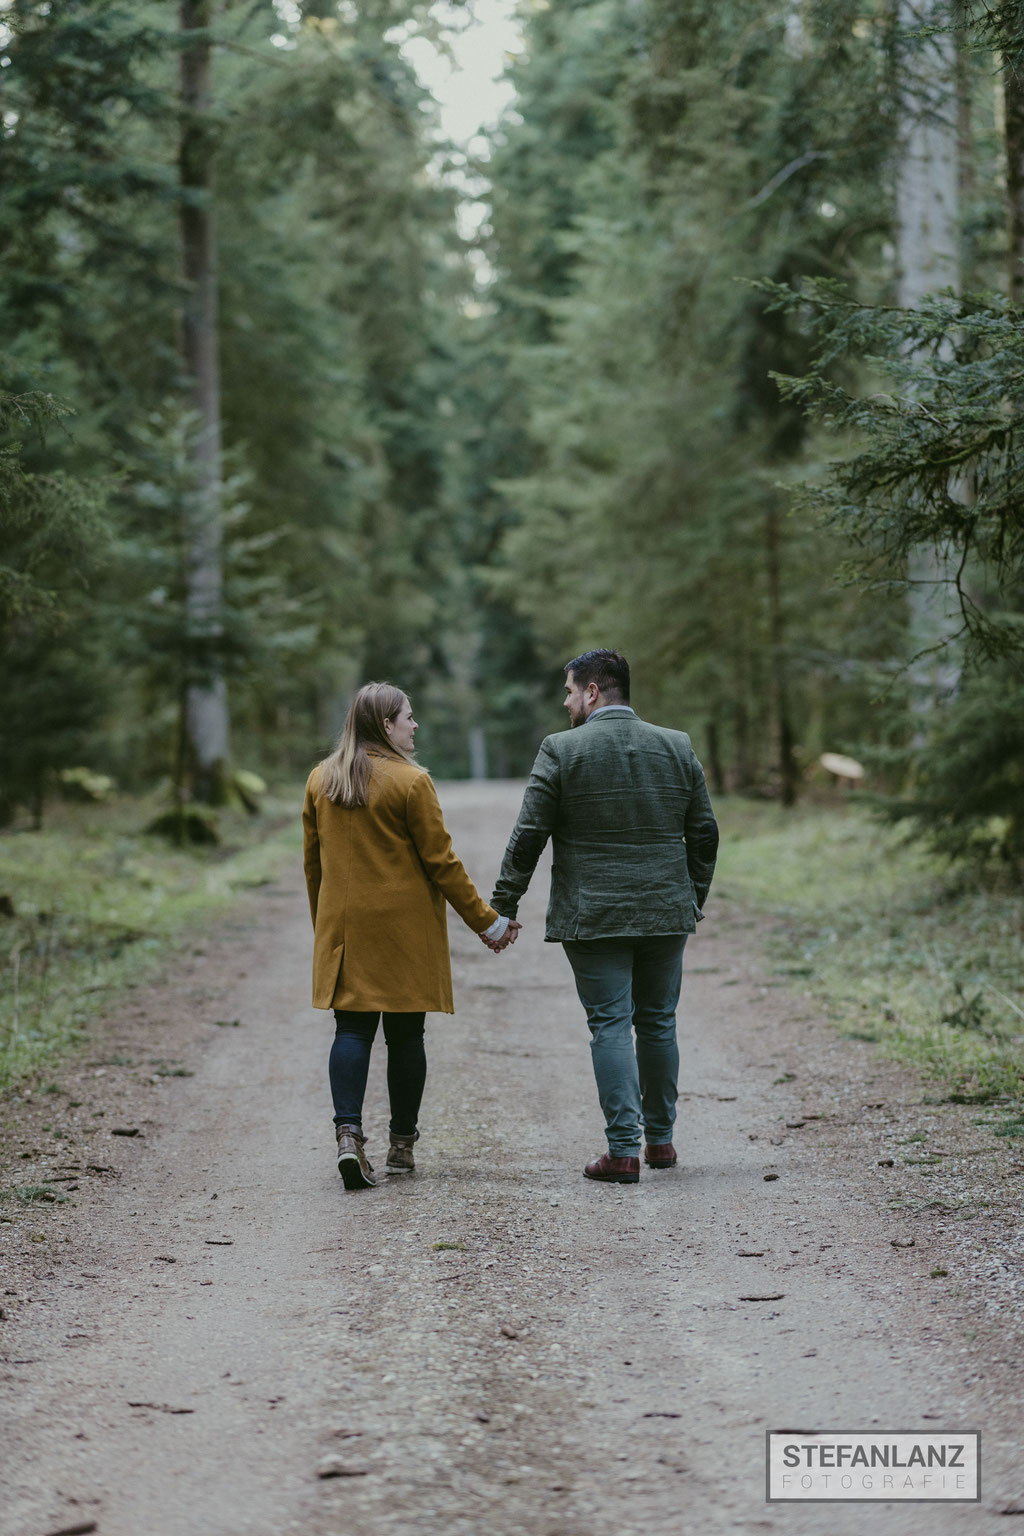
point(492, 1346)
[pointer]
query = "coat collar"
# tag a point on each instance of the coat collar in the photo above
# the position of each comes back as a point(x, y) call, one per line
point(607, 711)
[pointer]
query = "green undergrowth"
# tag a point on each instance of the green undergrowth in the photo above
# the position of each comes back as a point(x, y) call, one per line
point(887, 940)
point(91, 904)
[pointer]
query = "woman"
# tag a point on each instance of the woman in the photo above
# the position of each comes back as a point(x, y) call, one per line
point(379, 867)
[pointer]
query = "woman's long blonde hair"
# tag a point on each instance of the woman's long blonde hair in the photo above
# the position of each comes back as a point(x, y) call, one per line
point(345, 774)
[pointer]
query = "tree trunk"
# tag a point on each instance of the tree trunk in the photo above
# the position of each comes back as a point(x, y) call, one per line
point(477, 752)
point(206, 702)
point(1013, 95)
point(716, 774)
point(967, 147)
point(928, 259)
point(928, 166)
point(789, 772)
point(743, 773)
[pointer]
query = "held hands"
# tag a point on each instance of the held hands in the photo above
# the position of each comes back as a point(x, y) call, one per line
point(509, 937)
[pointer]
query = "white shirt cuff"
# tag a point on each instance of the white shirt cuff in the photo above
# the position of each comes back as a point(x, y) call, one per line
point(497, 929)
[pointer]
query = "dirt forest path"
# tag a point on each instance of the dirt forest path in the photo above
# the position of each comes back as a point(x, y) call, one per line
point(494, 1346)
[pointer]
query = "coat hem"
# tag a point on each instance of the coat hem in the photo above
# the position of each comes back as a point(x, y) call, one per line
point(363, 1006)
point(617, 933)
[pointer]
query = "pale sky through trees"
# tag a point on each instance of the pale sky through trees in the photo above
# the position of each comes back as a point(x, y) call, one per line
point(468, 87)
point(471, 95)
point(465, 82)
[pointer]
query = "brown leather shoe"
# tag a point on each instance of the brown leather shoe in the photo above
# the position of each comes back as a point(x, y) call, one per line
point(614, 1170)
point(353, 1164)
point(400, 1158)
point(662, 1155)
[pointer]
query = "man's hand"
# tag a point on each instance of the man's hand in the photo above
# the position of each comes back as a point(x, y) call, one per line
point(509, 937)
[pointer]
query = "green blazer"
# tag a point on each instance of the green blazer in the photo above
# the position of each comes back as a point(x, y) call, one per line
point(633, 834)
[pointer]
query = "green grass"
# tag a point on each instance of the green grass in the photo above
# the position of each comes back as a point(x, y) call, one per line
point(29, 1194)
point(98, 904)
point(884, 938)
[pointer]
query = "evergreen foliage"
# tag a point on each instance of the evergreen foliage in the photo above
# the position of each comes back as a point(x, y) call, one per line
point(717, 146)
point(942, 461)
point(52, 535)
point(935, 465)
point(965, 793)
point(620, 433)
point(337, 285)
point(938, 464)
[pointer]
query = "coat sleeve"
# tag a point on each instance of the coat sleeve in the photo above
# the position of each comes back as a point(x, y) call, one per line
point(311, 851)
point(534, 825)
point(700, 830)
point(434, 846)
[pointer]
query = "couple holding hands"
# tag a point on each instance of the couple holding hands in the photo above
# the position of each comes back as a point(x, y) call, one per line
point(634, 841)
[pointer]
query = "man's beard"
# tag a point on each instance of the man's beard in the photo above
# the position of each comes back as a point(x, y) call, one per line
point(577, 717)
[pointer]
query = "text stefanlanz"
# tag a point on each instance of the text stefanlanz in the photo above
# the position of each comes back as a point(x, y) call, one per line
point(949, 1455)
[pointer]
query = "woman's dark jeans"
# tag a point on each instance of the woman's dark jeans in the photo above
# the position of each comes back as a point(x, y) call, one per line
point(350, 1064)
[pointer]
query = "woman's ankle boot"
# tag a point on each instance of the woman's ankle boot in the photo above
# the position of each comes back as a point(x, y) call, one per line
point(400, 1158)
point(353, 1163)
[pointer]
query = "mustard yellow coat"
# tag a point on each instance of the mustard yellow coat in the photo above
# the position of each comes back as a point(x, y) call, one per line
point(378, 877)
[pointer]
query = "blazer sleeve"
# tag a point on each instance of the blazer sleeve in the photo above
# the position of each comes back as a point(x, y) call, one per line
point(434, 846)
point(311, 851)
point(700, 830)
point(534, 825)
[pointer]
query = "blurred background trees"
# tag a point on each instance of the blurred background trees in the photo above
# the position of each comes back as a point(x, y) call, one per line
point(703, 387)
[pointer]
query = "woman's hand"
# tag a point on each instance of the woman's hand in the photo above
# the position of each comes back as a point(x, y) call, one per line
point(507, 938)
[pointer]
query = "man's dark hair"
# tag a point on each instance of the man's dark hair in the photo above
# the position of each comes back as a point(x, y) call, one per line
point(608, 669)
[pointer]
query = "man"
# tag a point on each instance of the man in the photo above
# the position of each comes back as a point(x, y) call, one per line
point(634, 840)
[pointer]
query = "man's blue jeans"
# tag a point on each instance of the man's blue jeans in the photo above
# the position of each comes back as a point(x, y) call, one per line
point(627, 985)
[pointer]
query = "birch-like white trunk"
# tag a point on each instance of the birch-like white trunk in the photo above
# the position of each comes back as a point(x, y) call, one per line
point(928, 259)
point(477, 752)
point(206, 703)
point(927, 171)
